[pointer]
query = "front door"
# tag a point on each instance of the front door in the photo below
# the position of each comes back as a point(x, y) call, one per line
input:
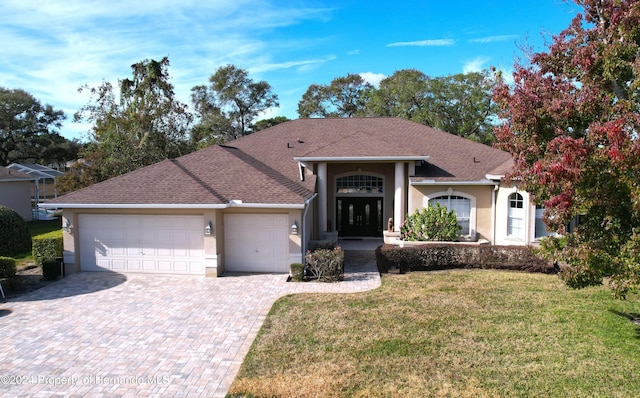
point(359, 216)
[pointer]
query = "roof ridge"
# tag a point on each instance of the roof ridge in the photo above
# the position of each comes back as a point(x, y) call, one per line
point(285, 181)
point(206, 186)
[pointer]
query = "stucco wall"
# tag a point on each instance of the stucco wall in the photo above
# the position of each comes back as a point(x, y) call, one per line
point(17, 196)
point(419, 195)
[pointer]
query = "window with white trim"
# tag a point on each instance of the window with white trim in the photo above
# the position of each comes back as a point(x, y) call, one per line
point(461, 206)
point(515, 220)
point(359, 183)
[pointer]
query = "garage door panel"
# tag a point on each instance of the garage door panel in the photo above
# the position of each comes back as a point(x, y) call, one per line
point(141, 243)
point(257, 242)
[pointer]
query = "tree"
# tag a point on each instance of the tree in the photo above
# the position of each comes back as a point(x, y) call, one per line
point(571, 122)
point(27, 128)
point(345, 97)
point(403, 94)
point(266, 123)
point(139, 125)
point(230, 103)
point(459, 104)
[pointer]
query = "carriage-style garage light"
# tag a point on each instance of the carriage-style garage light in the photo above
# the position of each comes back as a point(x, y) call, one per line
point(66, 226)
point(294, 228)
point(208, 228)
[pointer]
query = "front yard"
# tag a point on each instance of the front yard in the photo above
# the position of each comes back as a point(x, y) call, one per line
point(468, 333)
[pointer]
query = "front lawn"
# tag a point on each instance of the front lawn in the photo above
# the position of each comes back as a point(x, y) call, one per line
point(467, 333)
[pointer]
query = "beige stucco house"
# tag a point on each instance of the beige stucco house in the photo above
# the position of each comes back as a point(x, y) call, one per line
point(257, 203)
point(15, 192)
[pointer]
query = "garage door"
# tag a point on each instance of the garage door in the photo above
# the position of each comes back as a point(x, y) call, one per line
point(256, 242)
point(142, 243)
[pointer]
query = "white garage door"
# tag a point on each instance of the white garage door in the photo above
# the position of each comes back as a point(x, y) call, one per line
point(256, 242)
point(142, 243)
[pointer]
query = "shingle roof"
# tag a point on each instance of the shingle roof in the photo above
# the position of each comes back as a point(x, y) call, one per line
point(260, 168)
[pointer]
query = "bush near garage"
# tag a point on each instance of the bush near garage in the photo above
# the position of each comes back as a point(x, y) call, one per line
point(14, 233)
point(47, 247)
point(450, 256)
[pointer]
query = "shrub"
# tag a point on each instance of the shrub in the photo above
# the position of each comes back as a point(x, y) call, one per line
point(448, 256)
point(14, 233)
point(326, 265)
point(433, 223)
point(7, 267)
point(50, 269)
point(46, 248)
point(297, 271)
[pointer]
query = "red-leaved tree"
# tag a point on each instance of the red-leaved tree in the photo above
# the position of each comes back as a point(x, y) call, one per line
point(571, 121)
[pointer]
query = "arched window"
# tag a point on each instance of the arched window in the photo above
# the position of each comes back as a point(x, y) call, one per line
point(515, 221)
point(461, 206)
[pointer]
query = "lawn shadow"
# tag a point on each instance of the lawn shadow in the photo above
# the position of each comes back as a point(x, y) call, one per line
point(76, 284)
point(633, 317)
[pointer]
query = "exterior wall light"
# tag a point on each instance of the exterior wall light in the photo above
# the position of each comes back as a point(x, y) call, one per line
point(66, 226)
point(294, 228)
point(208, 228)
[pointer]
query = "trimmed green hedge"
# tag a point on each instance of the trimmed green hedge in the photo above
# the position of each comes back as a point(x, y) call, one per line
point(7, 267)
point(46, 248)
point(449, 256)
point(297, 272)
point(14, 233)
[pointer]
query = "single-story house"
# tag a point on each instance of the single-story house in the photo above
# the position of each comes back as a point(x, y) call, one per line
point(15, 192)
point(257, 203)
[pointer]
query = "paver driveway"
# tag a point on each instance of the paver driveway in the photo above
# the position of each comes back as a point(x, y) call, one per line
point(107, 334)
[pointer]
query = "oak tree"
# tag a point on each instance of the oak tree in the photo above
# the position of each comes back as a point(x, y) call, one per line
point(227, 107)
point(345, 96)
point(28, 129)
point(135, 124)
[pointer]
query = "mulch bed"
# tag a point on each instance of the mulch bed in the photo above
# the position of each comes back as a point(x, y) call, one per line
point(26, 280)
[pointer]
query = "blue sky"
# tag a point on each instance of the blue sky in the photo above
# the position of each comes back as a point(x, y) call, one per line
point(51, 48)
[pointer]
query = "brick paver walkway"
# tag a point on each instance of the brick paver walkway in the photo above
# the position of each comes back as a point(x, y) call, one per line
point(114, 335)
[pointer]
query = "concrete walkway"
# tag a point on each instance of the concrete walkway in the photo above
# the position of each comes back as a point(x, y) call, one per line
point(115, 335)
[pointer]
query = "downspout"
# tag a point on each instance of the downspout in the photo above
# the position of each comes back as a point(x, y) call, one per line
point(493, 214)
point(304, 224)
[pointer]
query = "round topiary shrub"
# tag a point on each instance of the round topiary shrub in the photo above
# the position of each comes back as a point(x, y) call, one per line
point(433, 223)
point(14, 233)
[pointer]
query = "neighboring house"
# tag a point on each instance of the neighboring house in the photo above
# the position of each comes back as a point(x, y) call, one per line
point(15, 192)
point(257, 203)
point(46, 177)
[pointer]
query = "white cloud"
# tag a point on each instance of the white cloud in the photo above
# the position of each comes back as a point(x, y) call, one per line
point(424, 43)
point(291, 64)
point(493, 39)
point(372, 78)
point(52, 48)
point(475, 65)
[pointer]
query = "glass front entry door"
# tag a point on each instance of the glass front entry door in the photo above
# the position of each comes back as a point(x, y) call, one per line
point(357, 216)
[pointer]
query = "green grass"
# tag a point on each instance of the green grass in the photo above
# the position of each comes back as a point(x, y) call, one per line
point(449, 334)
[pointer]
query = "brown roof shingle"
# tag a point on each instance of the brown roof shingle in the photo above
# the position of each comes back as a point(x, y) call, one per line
point(260, 168)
